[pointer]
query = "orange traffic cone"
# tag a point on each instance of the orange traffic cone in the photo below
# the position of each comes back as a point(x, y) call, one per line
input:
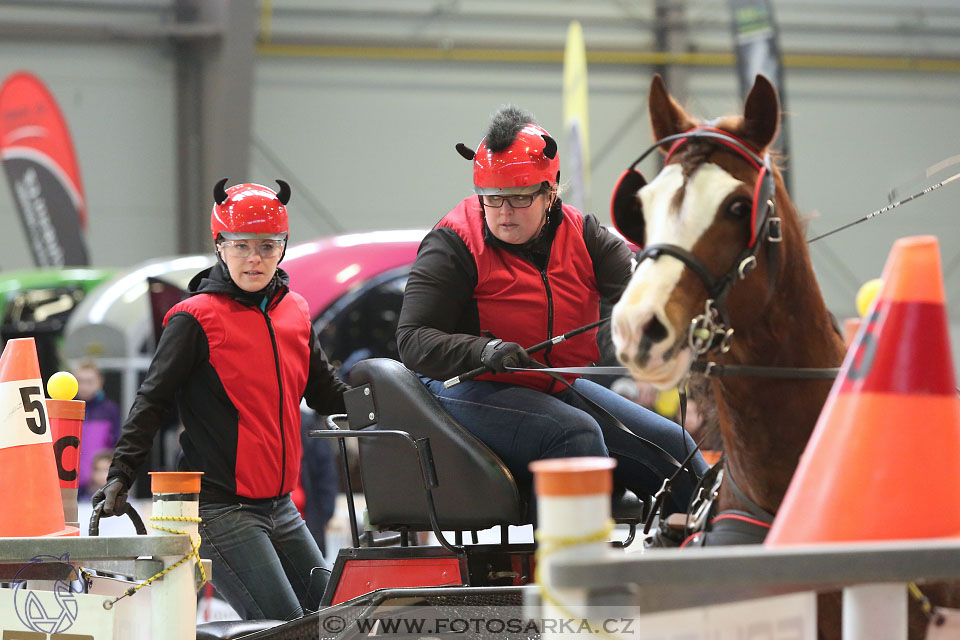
point(30, 503)
point(883, 458)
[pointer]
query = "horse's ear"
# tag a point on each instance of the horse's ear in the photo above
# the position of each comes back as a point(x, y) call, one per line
point(666, 115)
point(761, 113)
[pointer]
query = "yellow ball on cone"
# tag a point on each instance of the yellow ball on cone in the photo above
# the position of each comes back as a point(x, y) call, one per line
point(62, 386)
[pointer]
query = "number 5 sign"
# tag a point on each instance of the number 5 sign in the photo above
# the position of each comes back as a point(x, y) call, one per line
point(23, 414)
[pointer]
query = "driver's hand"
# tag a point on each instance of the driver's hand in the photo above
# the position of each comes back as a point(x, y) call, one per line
point(113, 495)
point(498, 355)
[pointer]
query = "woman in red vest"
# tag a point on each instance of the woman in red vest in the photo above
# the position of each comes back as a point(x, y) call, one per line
point(237, 356)
point(515, 266)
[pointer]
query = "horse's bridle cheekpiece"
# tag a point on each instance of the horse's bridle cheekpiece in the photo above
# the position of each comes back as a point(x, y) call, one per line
point(711, 329)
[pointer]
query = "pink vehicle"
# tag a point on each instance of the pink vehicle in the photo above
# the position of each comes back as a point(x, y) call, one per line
point(325, 269)
point(354, 285)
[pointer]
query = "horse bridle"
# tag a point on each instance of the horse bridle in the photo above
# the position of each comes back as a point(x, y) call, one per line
point(711, 329)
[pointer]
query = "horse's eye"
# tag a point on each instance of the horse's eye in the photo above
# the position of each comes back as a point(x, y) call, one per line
point(739, 209)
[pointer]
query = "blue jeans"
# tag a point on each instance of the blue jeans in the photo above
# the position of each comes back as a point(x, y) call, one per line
point(263, 558)
point(521, 425)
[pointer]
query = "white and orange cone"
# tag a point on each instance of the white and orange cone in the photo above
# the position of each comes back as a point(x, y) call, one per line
point(30, 503)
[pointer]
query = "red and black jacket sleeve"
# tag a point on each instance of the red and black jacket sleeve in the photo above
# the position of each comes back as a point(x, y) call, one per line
point(324, 391)
point(438, 334)
point(183, 345)
point(612, 259)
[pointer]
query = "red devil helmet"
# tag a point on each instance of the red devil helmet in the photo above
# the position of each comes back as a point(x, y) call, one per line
point(249, 211)
point(529, 160)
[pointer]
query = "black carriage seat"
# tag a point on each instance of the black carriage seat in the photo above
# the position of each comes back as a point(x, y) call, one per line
point(476, 490)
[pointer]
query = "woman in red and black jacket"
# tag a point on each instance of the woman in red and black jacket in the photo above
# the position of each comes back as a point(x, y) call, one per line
point(515, 266)
point(237, 356)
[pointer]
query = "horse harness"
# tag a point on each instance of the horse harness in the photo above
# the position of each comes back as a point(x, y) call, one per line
point(711, 329)
point(702, 526)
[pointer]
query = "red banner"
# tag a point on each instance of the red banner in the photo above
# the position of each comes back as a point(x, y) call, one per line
point(42, 169)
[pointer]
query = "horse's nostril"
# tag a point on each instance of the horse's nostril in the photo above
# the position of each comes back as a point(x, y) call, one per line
point(624, 357)
point(655, 331)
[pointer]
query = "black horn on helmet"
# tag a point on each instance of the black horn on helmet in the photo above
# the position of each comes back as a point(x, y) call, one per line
point(284, 194)
point(219, 193)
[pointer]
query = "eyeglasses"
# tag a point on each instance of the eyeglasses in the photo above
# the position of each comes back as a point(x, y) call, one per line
point(245, 248)
point(517, 202)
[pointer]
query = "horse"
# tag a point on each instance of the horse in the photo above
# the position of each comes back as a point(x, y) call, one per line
point(724, 275)
point(705, 203)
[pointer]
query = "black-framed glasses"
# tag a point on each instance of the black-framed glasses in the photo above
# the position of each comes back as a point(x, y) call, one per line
point(244, 248)
point(517, 202)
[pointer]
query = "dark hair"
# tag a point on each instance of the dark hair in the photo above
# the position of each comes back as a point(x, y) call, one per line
point(505, 125)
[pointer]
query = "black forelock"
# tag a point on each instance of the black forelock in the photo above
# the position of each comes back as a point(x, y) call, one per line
point(505, 125)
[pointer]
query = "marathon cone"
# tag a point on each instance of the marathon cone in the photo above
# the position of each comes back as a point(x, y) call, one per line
point(30, 503)
point(66, 426)
point(883, 458)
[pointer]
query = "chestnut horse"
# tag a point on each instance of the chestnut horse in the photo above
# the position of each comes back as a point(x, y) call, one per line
point(703, 203)
point(725, 276)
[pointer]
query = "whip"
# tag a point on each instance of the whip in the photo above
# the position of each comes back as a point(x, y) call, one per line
point(452, 382)
point(889, 207)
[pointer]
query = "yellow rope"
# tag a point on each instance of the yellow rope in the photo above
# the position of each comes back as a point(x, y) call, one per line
point(549, 545)
point(921, 598)
point(194, 553)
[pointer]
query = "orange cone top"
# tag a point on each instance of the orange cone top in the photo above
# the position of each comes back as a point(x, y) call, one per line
point(566, 477)
point(19, 361)
point(883, 459)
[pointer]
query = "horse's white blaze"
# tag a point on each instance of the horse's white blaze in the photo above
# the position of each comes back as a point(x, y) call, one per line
point(653, 281)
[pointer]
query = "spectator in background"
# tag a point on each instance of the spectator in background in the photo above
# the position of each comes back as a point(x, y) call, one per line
point(316, 492)
point(101, 426)
point(97, 472)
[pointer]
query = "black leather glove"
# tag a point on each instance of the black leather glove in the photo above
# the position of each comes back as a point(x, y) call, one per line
point(498, 355)
point(113, 495)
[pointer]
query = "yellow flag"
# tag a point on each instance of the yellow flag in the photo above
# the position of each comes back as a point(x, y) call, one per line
point(576, 119)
